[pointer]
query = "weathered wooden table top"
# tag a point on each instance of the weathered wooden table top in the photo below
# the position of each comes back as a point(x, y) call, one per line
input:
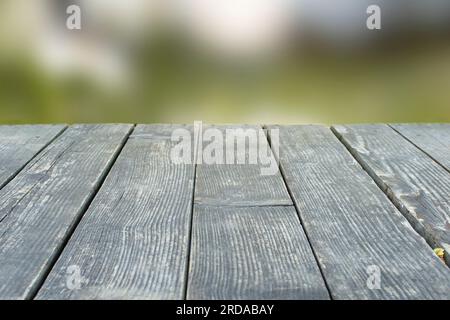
point(101, 212)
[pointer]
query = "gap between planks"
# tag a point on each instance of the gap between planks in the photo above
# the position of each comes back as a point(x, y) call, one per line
point(2, 185)
point(417, 146)
point(282, 173)
point(191, 220)
point(97, 187)
point(379, 182)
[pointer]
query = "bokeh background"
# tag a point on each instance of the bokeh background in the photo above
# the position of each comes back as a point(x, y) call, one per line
point(222, 61)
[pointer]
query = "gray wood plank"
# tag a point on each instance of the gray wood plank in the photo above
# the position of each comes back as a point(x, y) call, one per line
point(239, 184)
point(133, 241)
point(433, 139)
point(20, 143)
point(42, 204)
point(252, 253)
point(418, 185)
point(353, 228)
point(245, 243)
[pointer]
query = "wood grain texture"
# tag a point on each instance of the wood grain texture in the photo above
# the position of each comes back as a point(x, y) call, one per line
point(416, 184)
point(133, 241)
point(19, 144)
point(352, 225)
point(245, 243)
point(239, 184)
point(42, 204)
point(433, 139)
point(252, 253)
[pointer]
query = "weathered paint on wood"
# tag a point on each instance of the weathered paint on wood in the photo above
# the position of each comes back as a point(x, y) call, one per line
point(433, 139)
point(416, 184)
point(353, 228)
point(245, 244)
point(19, 144)
point(133, 241)
point(42, 204)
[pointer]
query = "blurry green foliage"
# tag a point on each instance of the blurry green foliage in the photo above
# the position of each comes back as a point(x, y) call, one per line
point(174, 84)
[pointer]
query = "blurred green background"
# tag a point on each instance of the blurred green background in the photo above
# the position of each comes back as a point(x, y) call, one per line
point(171, 77)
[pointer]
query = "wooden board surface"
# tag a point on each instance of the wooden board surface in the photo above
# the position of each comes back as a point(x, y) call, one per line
point(41, 205)
point(240, 184)
point(245, 243)
point(433, 139)
point(252, 253)
point(133, 241)
point(92, 212)
point(19, 144)
point(354, 229)
point(418, 185)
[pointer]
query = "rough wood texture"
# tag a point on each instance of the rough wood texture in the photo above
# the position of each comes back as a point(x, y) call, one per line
point(66, 232)
point(40, 207)
point(352, 225)
point(416, 183)
point(245, 244)
point(433, 139)
point(19, 144)
point(239, 184)
point(132, 243)
point(252, 253)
